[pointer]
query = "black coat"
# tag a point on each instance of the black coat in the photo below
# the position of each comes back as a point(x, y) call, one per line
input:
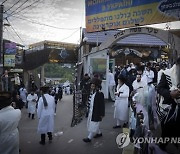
point(98, 107)
point(164, 90)
point(170, 123)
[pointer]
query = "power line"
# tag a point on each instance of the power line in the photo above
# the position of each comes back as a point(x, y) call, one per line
point(3, 2)
point(42, 24)
point(10, 33)
point(69, 35)
point(25, 7)
point(32, 8)
point(12, 6)
point(19, 7)
point(15, 32)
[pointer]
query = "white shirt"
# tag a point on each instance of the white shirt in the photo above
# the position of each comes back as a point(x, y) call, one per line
point(111, 81)
point(23, 94)
point(136, 85)
point(150, 75)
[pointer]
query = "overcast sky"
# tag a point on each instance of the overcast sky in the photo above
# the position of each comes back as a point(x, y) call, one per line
point(67, 16)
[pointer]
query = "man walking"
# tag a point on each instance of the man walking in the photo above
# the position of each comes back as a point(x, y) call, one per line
point(96, 110)
point(32, 100)
point(45, 112)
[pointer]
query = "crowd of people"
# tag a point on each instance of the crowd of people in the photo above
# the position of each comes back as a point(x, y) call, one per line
point(146, 97)
point(43, 103)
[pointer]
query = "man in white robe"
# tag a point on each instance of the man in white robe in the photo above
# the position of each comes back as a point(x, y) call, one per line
point(121, 111)
point(45, 112)
point(23, 94)
point(138, 84)
point(32, 100)
point(9, 120)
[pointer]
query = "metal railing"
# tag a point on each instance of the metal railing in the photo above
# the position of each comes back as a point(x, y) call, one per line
point(79, 108)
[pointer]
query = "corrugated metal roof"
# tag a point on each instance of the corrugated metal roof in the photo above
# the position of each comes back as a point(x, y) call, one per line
point(136, 39)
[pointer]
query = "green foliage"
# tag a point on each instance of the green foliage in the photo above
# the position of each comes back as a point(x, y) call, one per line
point(54, 70)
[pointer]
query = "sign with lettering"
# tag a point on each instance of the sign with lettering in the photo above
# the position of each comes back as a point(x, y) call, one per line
point(9, 54)
point(116, 14)
point(9, 60)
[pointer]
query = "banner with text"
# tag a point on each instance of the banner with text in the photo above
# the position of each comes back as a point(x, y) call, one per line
point(116, 14)
point(9, 60)
point(9, 54)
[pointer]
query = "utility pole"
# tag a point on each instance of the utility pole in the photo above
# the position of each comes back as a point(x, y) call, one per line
point(1, 38)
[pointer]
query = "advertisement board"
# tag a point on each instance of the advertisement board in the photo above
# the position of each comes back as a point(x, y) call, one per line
point(9, 54)
point(9, 60)
point(116, 14)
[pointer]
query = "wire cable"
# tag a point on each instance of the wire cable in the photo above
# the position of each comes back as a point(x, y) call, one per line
point(9, 33)
point(69, 35)
point(15, 32)
point(26, 7)
point(12, 6)
point(24, 12)
point(18, 7)
point(3, 2)
point(42, 24)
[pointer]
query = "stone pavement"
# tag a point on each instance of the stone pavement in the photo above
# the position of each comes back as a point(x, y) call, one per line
point(66, 139)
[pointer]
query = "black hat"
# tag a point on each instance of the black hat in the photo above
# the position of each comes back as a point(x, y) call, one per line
point(96, 81)
point(45, 89)
point(122, 78)
point(5, 99)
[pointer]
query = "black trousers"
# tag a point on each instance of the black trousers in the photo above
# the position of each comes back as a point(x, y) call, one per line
point(43, 136)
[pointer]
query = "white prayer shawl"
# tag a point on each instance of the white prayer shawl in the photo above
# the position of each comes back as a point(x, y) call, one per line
point(159, 75)
point(139, 98)
point(121, 111)
point(31, 103)
point(172, 79)
point(132, 120)
point(46, 114)
point(91, 125)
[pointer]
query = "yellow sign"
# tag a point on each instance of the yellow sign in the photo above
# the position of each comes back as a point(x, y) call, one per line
point(116, 14)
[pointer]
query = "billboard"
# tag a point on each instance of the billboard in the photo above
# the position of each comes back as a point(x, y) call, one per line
point(116, 14)
point(9, 60)
point(9, 54)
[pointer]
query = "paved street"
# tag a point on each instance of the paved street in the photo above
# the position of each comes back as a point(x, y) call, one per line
point(70, 142)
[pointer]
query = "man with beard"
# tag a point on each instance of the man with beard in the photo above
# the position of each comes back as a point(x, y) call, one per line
point(138, 84)
point(169, 88)
point(96, 110)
